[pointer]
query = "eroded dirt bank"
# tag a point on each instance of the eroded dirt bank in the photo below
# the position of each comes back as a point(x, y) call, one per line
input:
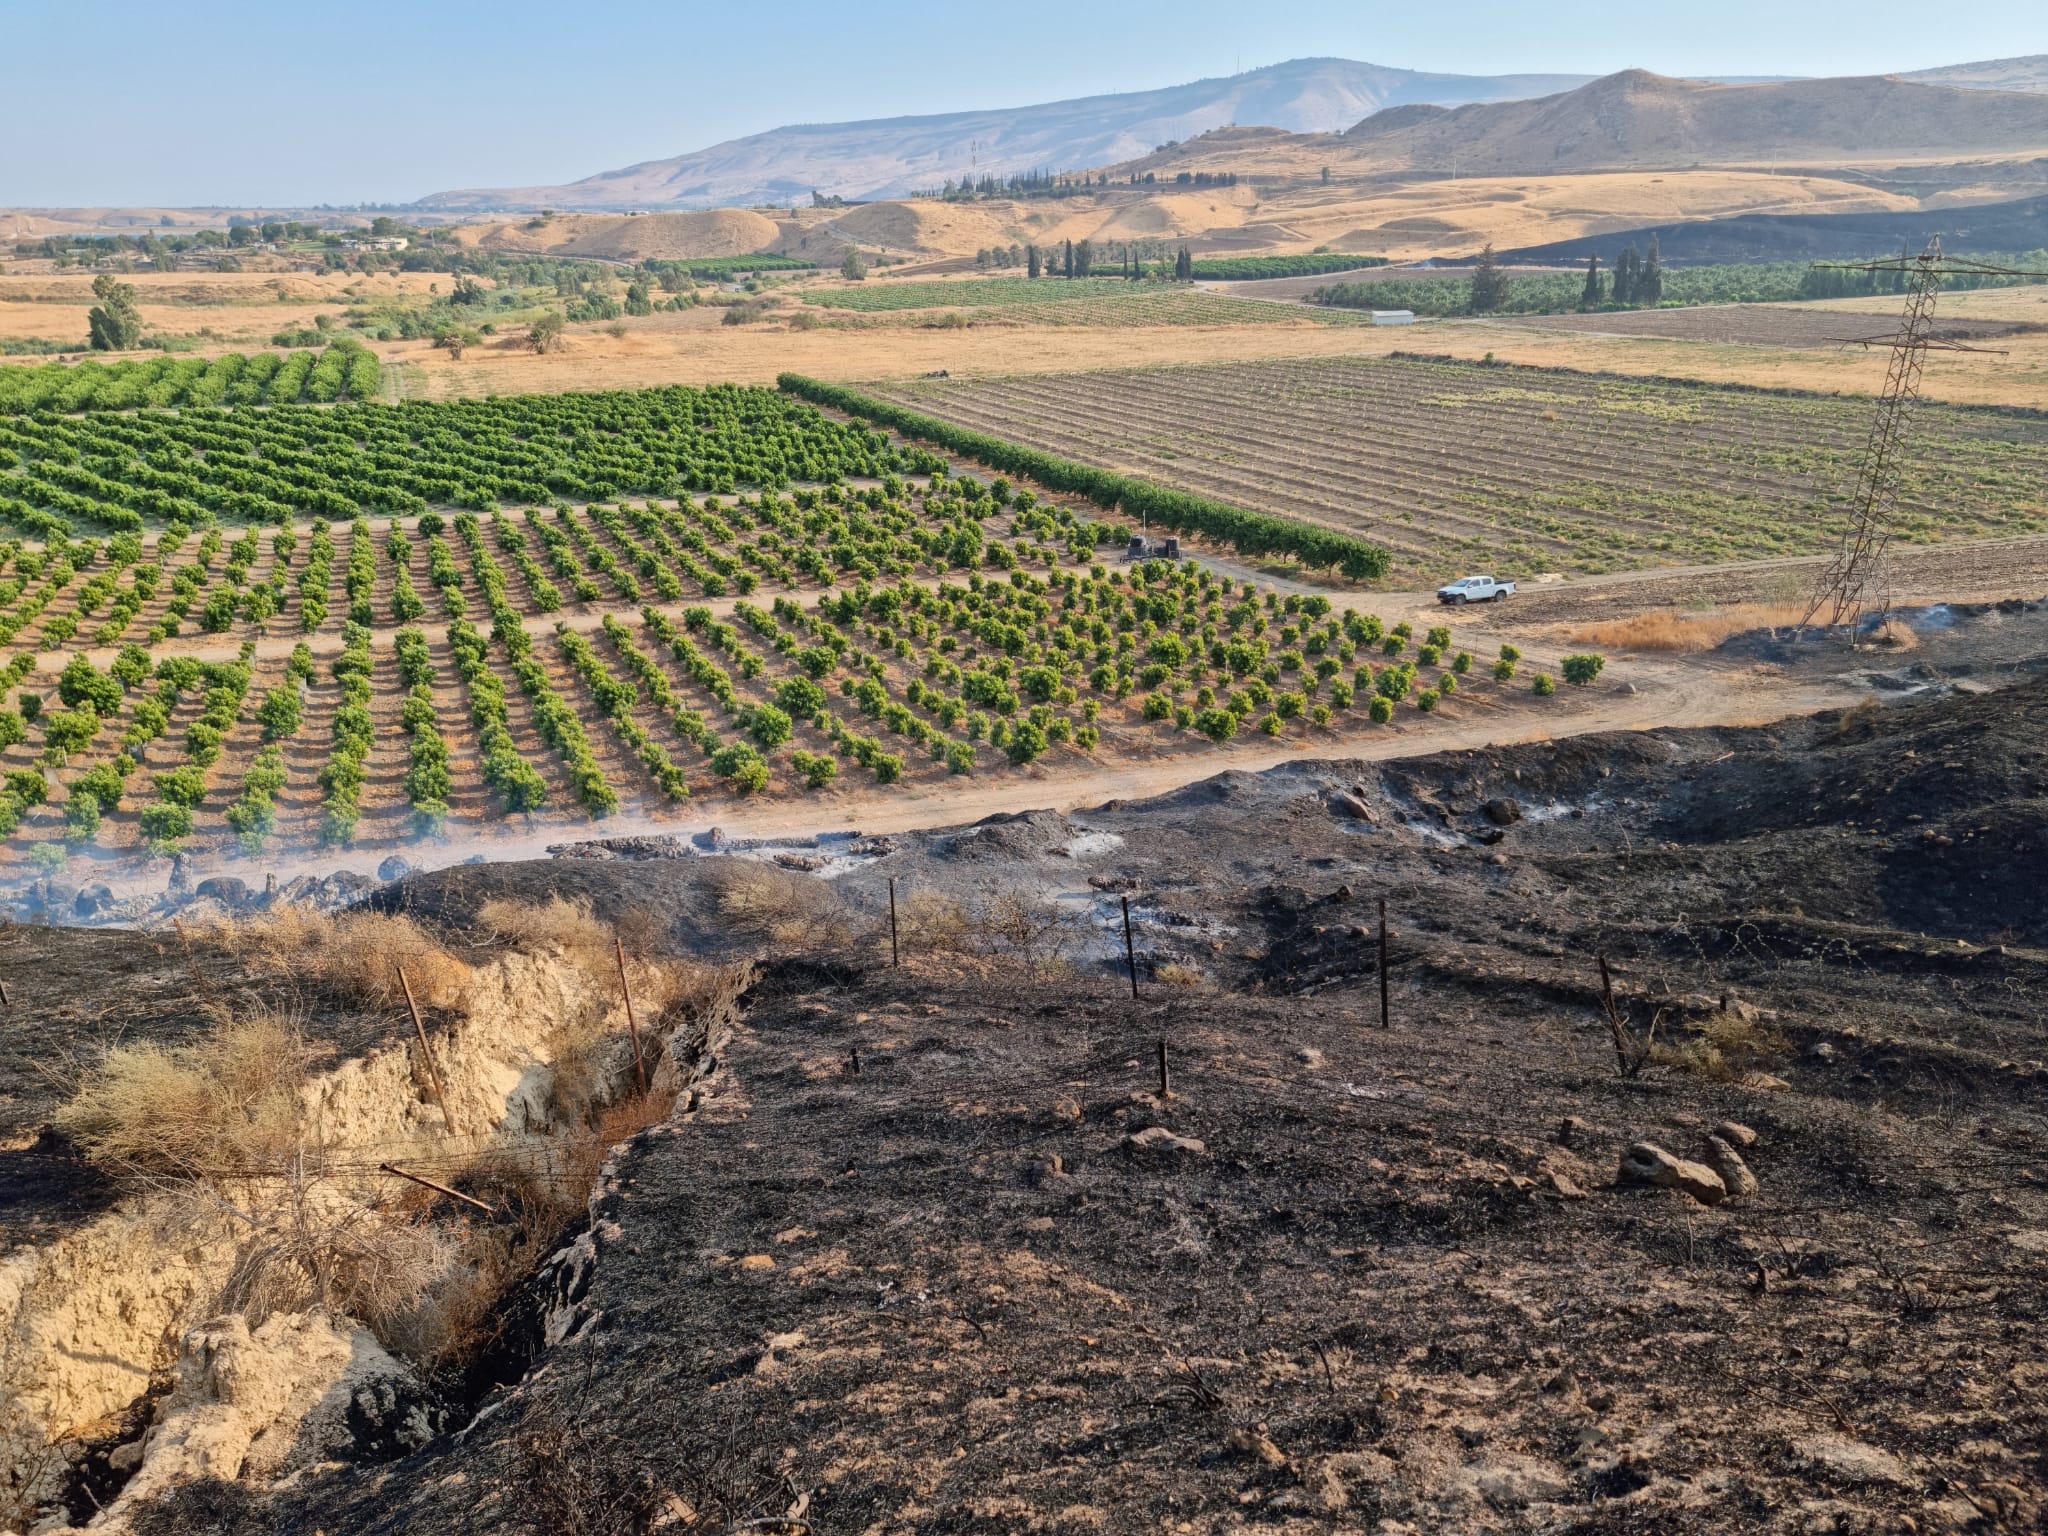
point(236, 1252)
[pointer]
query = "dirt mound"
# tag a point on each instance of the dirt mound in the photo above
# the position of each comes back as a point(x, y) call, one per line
point(1031, 835)
point(619, 237)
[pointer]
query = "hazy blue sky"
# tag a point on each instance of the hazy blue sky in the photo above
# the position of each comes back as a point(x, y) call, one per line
point(182, 102)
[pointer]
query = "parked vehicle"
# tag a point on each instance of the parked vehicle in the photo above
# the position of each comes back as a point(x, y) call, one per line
point(1475, 589)
point(1159, 549)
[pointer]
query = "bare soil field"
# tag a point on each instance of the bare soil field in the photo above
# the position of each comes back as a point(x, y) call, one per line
point(935, 1246)
point(1457, 468)
point(696, 348)
point(220, 311)
point(1768, 325)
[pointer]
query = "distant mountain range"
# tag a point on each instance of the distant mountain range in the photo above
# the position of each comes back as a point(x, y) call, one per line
point(891, 157)
point(1637, 120)
point(1410, 118)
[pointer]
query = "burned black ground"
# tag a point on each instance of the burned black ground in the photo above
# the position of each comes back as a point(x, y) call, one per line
point(1397, 1286)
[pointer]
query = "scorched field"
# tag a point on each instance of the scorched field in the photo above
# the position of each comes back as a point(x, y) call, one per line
point(1457, 467)
point(236, 629)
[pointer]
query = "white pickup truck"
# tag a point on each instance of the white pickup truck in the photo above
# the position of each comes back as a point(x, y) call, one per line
point(1475, 589)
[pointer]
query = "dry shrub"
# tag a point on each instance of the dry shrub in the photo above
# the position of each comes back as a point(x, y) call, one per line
point(1668, 629)
point(1895, 636)
point(317, 1245)
point(798, 911)
point(219, 1126)
point(929, 920)
point(557, 923)
point(1174, 974)
point(222, 1107)
point(355, 956)
point(1724, 1048)
point(1035, 932)
point(1859, 718)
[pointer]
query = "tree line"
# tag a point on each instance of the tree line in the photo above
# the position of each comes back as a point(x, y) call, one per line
point(1639, 280)
point(1252, 533)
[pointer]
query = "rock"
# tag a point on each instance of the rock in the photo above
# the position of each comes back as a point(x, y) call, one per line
point(1569, 1130)
point(1627, 690)
point(1255, 1444)
point(397, 867)
point(1503, 811)
point(1309, 1057)
point(1728, 1163)
point(1852, 1461)
point(228, 890)
point(1736, 1134)
point(1158, 1141)
point(180, 881)
point(297, 1390)
point(92, 900)
point(1350, 807)
point(1647, 1163)
point(476, 858)
point(1564, 1185)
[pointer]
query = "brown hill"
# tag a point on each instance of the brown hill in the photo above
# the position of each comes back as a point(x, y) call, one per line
point(2024, 74)
point(1635, 120)
point(623, 237)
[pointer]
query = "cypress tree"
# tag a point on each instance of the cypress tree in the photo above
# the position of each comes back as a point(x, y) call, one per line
point(1183, 267)
point(1031, 263)
point(1070, 258)
point(1625, 275)
point(1489, 287)
point(1650, 281)
point(1593, 292)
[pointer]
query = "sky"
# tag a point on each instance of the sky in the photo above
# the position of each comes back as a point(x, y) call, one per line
point(143, 103)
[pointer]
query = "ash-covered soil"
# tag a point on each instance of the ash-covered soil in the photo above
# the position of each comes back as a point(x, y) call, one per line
point(1339, 1277)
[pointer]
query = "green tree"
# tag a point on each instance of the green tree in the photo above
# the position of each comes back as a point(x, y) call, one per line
point(1595, 291)
point(545, 334)
point(115, 324)
point(1650, 281)
point(1489, 285)
point(1625, 275)
point(853, 266)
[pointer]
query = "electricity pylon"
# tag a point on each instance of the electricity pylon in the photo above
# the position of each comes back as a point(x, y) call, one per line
point(1857, 568)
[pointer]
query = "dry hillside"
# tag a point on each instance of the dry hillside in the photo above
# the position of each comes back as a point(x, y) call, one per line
point(1639, 119)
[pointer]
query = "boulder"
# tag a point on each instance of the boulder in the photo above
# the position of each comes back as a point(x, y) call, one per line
point(396, 867)
point(1349, 806)
point(1158, 1142)
point(92, 900)
point(1736, 1134)
point(225, 889)
point(1728, 1163)
point(1502, 811)
point(1648, 1163)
